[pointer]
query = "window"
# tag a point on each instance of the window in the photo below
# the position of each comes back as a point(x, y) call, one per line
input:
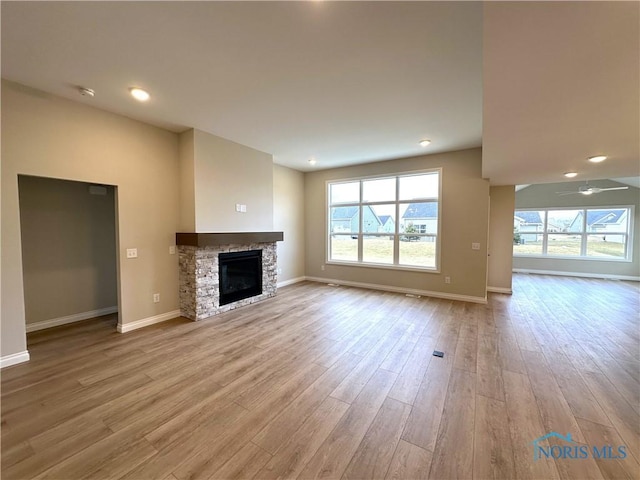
point(594, 233)
point(385, 221)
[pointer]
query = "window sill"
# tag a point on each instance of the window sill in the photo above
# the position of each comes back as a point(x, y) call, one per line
point(588, 259)
point(384, 266)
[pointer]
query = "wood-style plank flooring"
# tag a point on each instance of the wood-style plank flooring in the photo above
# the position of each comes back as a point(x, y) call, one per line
point(337, 382)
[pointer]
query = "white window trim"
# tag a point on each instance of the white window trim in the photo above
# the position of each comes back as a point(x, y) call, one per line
point(397, 202)
point(582, 257)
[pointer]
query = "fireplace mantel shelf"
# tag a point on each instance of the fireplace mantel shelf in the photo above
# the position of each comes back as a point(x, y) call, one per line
point(214, 239)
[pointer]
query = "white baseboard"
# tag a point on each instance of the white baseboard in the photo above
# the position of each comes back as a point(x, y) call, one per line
point(508, 291)
point(412, 291)
point(291, 281)
point(14, 359)
point(76, 317)
point(604, 276)
point(145, 322)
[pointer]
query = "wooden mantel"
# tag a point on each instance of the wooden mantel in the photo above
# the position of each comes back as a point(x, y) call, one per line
point(214, 239)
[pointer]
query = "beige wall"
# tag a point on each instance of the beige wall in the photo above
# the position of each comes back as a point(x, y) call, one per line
point(545, 196)
point(187, 182)
point(501, 237)
point(44, 135)
point(68, 248)
point(227, 173)
point(465, 206)
point(288, 217)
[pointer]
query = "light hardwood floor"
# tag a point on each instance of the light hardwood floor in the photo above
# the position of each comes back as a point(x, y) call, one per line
point(337, 382)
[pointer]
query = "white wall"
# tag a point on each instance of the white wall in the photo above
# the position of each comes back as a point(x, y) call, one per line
point(44, 135)
point(545, 196)
point(288, 217)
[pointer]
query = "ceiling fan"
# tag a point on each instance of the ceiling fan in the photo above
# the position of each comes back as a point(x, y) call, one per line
point(589, 190)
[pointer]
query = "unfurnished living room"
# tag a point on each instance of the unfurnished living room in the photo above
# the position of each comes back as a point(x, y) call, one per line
point(320, 239)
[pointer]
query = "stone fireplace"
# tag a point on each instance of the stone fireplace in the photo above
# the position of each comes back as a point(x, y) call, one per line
point(200, 268)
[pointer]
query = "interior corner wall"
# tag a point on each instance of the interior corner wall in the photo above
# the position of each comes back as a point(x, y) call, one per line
point(47, 136)
point(501, 238)
point(187, 222)
point(288, 217)
point(545, 196)
point(229, 174)
point(68, 248)
point(465, 220)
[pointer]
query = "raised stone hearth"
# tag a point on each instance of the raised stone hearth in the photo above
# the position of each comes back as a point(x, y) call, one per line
point(199, 282)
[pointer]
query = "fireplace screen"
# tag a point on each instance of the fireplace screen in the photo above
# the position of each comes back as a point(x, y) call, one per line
point(240, 275)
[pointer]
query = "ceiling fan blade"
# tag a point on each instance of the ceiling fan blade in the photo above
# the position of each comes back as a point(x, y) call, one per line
point(612, 188)
point(592, 190)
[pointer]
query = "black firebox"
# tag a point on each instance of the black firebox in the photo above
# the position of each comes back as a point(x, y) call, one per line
point(240, 275)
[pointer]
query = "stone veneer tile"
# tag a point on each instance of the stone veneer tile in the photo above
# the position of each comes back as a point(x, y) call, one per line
point(199, 285)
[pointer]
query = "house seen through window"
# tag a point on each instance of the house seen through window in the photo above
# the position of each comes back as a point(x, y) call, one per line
point(601, 233)
point(392, 220)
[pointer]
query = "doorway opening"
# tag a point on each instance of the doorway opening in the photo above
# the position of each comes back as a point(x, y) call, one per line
point(69, 251)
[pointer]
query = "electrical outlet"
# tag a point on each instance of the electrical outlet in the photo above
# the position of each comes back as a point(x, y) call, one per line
point(243, 208)
point(156, 298)
point(172, 250)
point(475, 246)
point(238, 207)
point(447, 279)
point(132, 253)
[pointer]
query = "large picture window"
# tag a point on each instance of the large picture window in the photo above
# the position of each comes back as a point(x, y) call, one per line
point(385, 221)
point(594, 233)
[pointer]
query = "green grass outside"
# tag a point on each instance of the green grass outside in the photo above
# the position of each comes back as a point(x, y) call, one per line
point(380, 250)
point(571, 247)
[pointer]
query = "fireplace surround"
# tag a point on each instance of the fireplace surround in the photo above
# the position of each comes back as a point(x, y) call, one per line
point(199, 261)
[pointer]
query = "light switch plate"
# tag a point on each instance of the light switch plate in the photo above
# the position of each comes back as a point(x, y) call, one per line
point(132, 253)
point(172, 250)
point(243, 208)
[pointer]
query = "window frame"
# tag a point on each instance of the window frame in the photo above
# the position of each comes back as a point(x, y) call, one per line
point(396, 233)
point(583, 234)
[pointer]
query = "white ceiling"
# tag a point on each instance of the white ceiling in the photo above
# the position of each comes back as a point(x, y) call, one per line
point(353, 82)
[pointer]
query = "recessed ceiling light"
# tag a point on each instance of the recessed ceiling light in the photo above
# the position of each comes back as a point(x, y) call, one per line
point(424, 143)
point(139, 94)
point(597, 158)
point(312, 161)
point(570, 174)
